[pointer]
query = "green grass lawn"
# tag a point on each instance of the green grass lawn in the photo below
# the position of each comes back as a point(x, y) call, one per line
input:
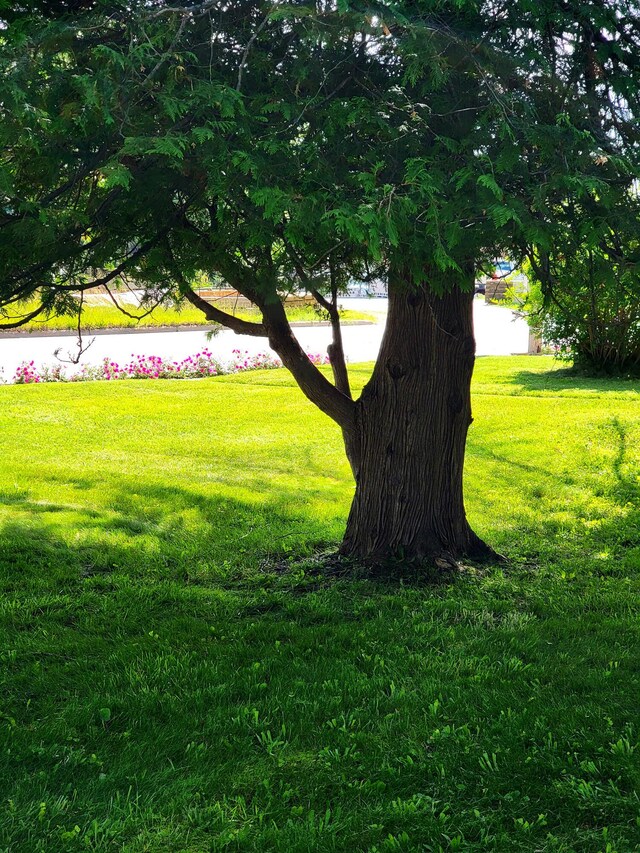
point(109, 317)
point(164, 688)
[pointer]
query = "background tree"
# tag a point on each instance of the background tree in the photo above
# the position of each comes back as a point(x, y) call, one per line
point(585, 298)
point(584, 263)
point(281, 145)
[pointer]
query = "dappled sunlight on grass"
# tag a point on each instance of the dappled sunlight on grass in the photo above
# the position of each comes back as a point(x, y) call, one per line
point(548, 468)
point(169, 684)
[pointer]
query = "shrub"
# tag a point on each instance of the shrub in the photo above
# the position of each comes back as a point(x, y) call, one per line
point(585, 294)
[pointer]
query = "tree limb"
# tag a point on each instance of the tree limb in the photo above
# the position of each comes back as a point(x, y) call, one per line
point(240, 327)
point(25, 319)
point(167, 53)
point(199, 9)
point(245, 54)
point(335, 350)
point(312, 383)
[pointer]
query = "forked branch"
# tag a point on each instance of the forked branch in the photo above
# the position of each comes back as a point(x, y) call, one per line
point(316, 387)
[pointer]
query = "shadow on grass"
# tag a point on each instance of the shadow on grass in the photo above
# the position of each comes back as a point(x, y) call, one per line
point(152, 531)
point(147, 531)
point(628, 481)
point(482, 452)
point(625, 532)
point(568, 379)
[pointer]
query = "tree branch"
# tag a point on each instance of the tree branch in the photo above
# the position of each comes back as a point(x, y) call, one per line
point(24, 319)
point(245, 54)
point(199, 9)
point(124, 311)
point(310, 380)
point(167, 53)
point(322, 302)
point(240, 327)
point(335, 349)
point(312, 383)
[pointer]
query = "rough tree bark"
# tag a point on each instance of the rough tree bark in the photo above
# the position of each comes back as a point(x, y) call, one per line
point(410, 434)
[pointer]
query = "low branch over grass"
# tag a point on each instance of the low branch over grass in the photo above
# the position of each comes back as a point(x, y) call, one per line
point(316, 387)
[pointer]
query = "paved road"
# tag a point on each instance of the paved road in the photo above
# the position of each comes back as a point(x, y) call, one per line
point(497, 333)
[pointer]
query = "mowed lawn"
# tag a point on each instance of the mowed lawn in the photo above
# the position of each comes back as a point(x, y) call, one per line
point(166, 685)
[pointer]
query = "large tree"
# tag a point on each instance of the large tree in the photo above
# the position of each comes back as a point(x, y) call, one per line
point(294, 145)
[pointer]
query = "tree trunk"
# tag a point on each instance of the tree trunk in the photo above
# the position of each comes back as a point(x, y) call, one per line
point(410, 434)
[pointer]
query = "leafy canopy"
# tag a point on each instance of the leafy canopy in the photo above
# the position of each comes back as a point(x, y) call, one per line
point(281, 145)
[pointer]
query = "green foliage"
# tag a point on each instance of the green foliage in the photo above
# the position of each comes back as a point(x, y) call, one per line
point(165, 687)
point(271, 138)
point(586, 289)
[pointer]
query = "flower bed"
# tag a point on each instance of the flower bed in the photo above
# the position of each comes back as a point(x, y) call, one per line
point(196, 366)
